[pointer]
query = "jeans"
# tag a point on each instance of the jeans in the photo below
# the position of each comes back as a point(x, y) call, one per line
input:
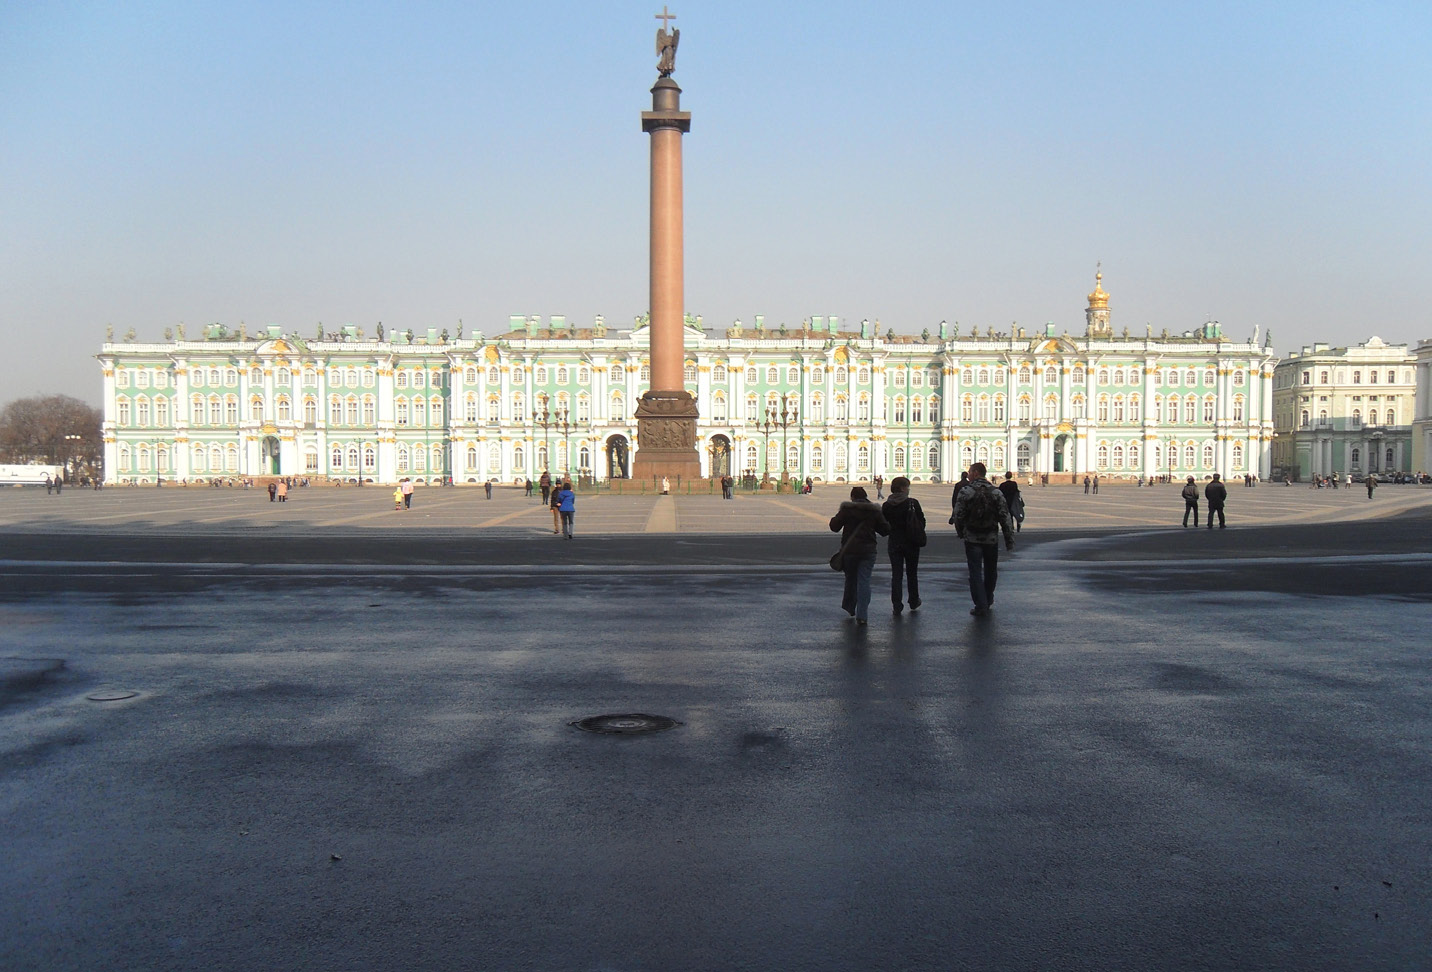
point(1211, 510)
point(983, 560)
point(856, 597)
point(567, 517)
point(904, 564)
point(1190, 506)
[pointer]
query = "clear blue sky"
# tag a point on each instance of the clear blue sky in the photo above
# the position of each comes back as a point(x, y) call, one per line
point(417, 163)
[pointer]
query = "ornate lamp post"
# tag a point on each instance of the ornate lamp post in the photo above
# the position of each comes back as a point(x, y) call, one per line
point(543, 417)
point(561, 419)
point(788, 417)
point(767, 425)
point(69, 454)
point(1171, 447)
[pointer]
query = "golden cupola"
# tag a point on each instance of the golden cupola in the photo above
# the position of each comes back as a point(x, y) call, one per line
point(1098, 300)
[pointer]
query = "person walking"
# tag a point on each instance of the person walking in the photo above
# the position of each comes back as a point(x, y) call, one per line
point(1086, 485)
point(907, 535)
point(1013, 499)
point(1190, 501)
point(567, 507)
point(272, 491)
point(981, 515)
point(955, 496)
point(1216, 494)
point(858, 521)
point(408, 488)
point(1371, 484)
point(1096, 484)
point(282, 491)
point(554, 503)
point(487, 488)
point(544, 482)
point(879, 486)
point(398, 497)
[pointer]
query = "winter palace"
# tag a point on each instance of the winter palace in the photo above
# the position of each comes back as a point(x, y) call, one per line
point(824, 400)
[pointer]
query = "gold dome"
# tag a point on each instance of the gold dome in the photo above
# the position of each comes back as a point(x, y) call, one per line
point(1098, 300)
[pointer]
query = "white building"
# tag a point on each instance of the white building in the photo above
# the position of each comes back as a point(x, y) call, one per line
point(1345, 410)
point(830, 402)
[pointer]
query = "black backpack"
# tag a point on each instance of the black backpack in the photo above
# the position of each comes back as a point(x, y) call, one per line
point(981, 508)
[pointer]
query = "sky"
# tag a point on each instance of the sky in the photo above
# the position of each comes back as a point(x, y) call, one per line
point(420, 163)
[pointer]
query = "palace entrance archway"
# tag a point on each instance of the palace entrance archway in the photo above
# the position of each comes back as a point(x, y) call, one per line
point(269, 456)
point(618, 458)
point(720, 449)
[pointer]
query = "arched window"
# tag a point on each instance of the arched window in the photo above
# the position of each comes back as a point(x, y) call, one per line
point(1208, 455)
point(402, 379)
point(899, 456)
point(863, 407)
point(967, 408)
point(688, 374)
point(773, 375)
point(1237, 455)
point(751, 458)
point(256, 409)
point(1133, 455)
point(1356, 456)
point(1190, 457)
point(370, 458)
point(401, 410)
point(982, 376)
point(718, 373)
point(897, 414)
point(862, 457)
point(1103, 461)
point(1357, 418)
point(469, 376)
point(999, 409)
point(1051, 407)
point(1077, 376)
point(1116, 456)
point(1103, 376)
point(842, 376)
point(863, 377)
point(1025, 409)
point(817, 455)
point(1238, 409)
point(841, 458)
point(793, 375)
point(1103, 408)
point(285, 409)
point(584, 457)
point(934, 457)
point(917, 410)
point(646, 374)
point(519, 458)
point(1391, 417)
point(471, 458)
point(1208, 406)
point(310, 412)
point(842, 409)
point(618, 407)
point(1022, 455)
point(718, 407)
point(752, 376)
point(967, 376)
point(982, 410)
point(1304, 422)
point(562, 374)
point(1025, 375)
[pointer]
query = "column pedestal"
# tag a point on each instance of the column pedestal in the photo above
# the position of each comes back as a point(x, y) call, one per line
point(666, 436)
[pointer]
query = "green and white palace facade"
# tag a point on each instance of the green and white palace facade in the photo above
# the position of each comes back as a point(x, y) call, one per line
point(824, 401)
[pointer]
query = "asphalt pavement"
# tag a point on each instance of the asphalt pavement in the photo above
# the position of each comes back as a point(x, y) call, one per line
point(230, 741)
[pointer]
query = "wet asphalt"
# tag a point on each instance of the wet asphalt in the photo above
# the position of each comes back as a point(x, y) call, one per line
point(1166, 749)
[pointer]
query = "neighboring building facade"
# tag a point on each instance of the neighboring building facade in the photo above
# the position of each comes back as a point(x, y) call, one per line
point(830, 403)
point(1422, 409)
point(1347, 411)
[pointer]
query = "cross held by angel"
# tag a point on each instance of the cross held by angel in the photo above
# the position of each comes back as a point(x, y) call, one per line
point(666, 41)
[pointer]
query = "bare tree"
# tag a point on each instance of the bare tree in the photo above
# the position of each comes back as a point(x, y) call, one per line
point(52, 429)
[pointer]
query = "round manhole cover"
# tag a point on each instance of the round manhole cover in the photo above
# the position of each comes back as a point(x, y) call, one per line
point(111, 695)
point(627, 725)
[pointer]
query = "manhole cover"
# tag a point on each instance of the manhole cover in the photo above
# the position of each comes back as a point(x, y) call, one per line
point(110, 695)
point(629, 725)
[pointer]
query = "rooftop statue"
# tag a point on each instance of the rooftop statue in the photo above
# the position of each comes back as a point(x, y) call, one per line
point(666, 41)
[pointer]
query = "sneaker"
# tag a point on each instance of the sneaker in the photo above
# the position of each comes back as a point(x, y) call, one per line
point(915, 605)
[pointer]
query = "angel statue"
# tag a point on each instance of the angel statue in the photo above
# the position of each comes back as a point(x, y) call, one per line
point(666, 41)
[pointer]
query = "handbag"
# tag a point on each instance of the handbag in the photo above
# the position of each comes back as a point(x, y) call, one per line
point(837, 559)
point(917, 524)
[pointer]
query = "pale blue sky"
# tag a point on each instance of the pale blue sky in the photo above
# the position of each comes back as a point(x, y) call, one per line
point(417, 163)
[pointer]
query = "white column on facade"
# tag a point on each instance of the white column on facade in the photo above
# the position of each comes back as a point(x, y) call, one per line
point(949, 428)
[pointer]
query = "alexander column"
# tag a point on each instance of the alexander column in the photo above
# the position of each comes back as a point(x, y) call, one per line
point(666, 415)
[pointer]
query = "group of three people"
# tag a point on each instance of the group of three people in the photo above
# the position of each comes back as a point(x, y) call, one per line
point(981, 514)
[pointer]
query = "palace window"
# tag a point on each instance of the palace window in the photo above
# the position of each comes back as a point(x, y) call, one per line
point(1077, 376)
point(1116, 456)
point(688, 374)
point(216, 411)
point(753, 409)
point(816, 458)
point(584, 408)
point(842, 409)
point(982, 410)
point(562, 375)
point(1208, 455)
point(967, 408)
point(1208, 405)
point(1210, 377)
point(646, 374)
point(934, 457)
point(1238, 409)
point(352, 410)
point(1190, 409)
point(917, 379)
point(285, 410)
point(842, 376)
point(863, 407)
point(161, 412)
point(1051, 407)
point(752, 376)
point(1051, 376)
point(1237, 455)
point(864, 375)
point(862, 457)
point(793, 375)
point(1103, 408)
point(1103, 460)
point(310, 412)
point(718, 373)
point(817, 408)
point(982, 376)
point(1190, 456)
point(402, 382)
point(773, 375)
point(370, 458)
point(817, 375)
point(402, 411)
point(1025, 375)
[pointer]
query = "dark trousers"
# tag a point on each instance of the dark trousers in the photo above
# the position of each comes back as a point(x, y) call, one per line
point(904, 565)
point(983, 560)
point(407, 501)
point(1212, 510)
point(1190, 506)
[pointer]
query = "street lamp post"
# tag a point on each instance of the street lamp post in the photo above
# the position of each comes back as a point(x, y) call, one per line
point(69, 454)
point(767, 425)
point(787, 418)
point(1171, 447)
point(543, 417)
point(561, 421)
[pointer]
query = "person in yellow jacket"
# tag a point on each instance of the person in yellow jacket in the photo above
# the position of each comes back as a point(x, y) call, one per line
point(398, 498)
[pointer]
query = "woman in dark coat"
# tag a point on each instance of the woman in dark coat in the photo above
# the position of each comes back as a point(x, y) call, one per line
point(858, 521)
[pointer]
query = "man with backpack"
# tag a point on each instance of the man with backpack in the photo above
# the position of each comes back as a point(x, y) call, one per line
point(907, 536)
point(981, 515)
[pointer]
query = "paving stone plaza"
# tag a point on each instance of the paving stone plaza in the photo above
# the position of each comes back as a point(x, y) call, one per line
point(328, 735)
